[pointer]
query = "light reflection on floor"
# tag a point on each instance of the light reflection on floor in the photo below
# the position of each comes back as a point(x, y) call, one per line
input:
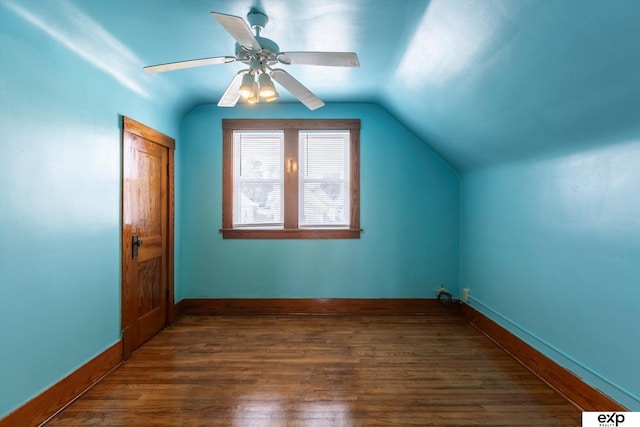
point(267, 410)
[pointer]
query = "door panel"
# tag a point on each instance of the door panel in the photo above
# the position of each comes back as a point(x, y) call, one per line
point(149, 285)
point(146, 209)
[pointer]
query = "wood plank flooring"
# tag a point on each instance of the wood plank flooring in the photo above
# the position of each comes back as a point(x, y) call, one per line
point(320, 371)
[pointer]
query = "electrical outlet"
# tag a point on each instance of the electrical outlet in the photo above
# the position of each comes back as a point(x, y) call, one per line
point(441, 290)
point(465, 294)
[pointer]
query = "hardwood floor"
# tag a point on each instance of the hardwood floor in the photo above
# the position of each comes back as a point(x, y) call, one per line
point(320, 371)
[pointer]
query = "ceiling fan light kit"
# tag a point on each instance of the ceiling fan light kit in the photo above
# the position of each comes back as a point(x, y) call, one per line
point(260, 54)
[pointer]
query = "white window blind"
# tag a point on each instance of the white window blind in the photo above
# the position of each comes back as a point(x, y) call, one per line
point(258, 178)
point(324, 178)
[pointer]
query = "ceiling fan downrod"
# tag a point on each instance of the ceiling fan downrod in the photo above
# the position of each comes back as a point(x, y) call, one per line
point(257, 21)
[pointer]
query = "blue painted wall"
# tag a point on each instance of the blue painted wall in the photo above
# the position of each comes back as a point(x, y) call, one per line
point(60, 196)
point(550, 249)
point(409, 213)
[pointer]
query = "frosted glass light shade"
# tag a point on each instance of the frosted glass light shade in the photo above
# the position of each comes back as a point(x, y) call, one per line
point(267, 90)
point(247, 87)
point(254, 98)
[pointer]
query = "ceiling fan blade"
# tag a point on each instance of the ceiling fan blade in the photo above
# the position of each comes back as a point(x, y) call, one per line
point(232, 94)
point(331, 59)
point(297, 89)
point(238, 29)
point(188, 64)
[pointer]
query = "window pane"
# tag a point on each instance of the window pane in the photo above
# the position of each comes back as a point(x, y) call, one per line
point(324, 178)
point(324, 154)
point(260, 203)
point(258, 178)
point(259, 155)
point(324, 204)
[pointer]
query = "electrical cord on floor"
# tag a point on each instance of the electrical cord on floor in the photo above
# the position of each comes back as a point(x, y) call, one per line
point(445, 298)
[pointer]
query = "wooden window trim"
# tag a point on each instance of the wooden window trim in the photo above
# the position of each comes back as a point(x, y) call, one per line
point(291, 127)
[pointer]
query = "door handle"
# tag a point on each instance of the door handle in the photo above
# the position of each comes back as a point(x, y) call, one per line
point(135, 244)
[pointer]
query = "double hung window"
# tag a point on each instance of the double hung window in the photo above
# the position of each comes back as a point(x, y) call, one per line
point(291, 179)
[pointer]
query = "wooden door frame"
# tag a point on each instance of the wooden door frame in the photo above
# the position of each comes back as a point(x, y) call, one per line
point(137, 128)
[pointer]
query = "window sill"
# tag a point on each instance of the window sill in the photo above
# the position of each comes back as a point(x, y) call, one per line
point(303, 233)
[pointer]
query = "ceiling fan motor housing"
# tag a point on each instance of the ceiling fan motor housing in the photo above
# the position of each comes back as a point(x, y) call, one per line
point(268, 53)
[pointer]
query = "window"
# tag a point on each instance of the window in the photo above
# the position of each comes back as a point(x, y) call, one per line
point(291, 179)
point(324, 178)
point(258, 178)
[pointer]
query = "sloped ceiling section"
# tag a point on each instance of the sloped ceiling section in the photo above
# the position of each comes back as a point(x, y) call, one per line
point(478, 81)
point(483, 81)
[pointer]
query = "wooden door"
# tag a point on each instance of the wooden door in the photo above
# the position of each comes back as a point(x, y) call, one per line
point(147, 233)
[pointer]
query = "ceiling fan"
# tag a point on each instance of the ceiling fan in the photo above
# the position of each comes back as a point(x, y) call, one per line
point(260, 54)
